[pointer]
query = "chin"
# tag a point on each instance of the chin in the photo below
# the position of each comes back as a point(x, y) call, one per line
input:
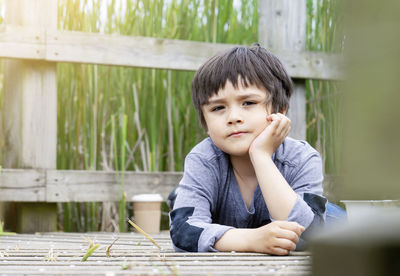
point(238, 152)
point(235, 149)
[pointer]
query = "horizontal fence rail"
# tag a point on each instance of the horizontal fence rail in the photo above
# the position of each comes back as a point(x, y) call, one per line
point(118, 50)
point(34, 185)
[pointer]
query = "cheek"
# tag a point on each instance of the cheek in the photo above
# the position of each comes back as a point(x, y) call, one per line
point(261, 122)
point(213, 129)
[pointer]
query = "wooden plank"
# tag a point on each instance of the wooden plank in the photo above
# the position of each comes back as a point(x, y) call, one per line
point(28, 212)
point(67, 186)
point(22, 185)
point(81, 186)
point(147, 52)
point(297, 111)
point(30, 102)
point(282, 27)
point(30, 88)
point(18, 255)
point(129, 51)
point(22, 42)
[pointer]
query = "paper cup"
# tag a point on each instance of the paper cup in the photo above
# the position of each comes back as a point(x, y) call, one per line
point(147, 211)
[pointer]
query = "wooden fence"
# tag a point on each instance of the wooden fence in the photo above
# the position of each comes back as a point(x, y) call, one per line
point(118, 50)
point(86, 186)
point(32, 45)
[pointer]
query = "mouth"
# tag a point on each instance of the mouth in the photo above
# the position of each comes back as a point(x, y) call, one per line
point(237, 133)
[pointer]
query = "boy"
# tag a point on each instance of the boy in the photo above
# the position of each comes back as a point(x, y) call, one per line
point(247, 187)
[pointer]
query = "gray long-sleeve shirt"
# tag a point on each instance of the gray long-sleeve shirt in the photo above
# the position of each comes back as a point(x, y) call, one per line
point(209, 201)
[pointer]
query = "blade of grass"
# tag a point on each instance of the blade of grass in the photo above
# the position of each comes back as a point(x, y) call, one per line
point(141, 231)
point(108, 250)
point(89, 252)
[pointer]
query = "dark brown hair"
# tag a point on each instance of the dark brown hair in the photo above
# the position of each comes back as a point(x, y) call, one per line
point(253, 66)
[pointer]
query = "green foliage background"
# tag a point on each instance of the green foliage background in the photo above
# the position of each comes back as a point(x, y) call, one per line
point(101, 96)
point(119, 118)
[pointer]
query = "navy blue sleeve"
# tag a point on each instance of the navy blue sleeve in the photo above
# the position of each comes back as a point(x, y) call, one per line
point(191, 226)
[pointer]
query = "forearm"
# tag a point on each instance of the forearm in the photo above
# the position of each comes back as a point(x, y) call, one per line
point(278, 195)
point(278, 237)
point(235, 240)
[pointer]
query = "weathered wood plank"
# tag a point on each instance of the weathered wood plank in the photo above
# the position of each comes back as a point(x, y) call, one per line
point(30, 89)
point(22, 185)
point(82, 186)
point(85, 186)
point(118, 50)
point(22, 42)
point(297, 111)
point(30, 102)
point(66, 186)
point(282, 27)
point(60, 253)
point(282, 24)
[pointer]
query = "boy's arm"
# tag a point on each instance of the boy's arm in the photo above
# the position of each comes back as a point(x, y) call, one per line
point(277, 238)
point(278, 195)
point(191, 226)
point(302, 200)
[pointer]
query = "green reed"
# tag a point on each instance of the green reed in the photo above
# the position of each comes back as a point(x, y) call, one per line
point(324, 98)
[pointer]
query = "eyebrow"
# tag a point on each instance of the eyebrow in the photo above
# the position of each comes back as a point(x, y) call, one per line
point(240, 97)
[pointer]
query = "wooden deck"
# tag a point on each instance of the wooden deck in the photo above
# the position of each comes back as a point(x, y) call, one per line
point(61, 253)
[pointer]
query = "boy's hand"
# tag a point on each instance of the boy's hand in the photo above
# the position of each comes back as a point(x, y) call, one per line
point(277, 238)
point(272, 136)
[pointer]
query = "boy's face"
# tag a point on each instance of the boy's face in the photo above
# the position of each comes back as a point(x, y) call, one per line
point(235, 117)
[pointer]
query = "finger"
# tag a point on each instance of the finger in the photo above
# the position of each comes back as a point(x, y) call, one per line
point(293, 226)
point(279, 251)
point(282, 116)
point(273, 117)
point(285, 244)
point(287, 131)
point(283, 126)
point(284, 121)
point(273, 125)
point(288, 234)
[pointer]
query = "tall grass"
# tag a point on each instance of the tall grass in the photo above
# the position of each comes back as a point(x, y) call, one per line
point(324, 98)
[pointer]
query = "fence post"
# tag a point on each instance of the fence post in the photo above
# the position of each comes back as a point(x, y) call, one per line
point(282, 26)
point(30, 110)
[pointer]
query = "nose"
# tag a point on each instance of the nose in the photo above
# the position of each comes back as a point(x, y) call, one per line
point(234, 116)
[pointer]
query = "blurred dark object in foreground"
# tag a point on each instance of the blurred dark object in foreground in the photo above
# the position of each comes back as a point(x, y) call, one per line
point(370, 243)
point(372, 112)
point(368, 246)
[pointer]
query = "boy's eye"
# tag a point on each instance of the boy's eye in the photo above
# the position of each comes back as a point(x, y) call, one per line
point(248, 103)
point(216, 108)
